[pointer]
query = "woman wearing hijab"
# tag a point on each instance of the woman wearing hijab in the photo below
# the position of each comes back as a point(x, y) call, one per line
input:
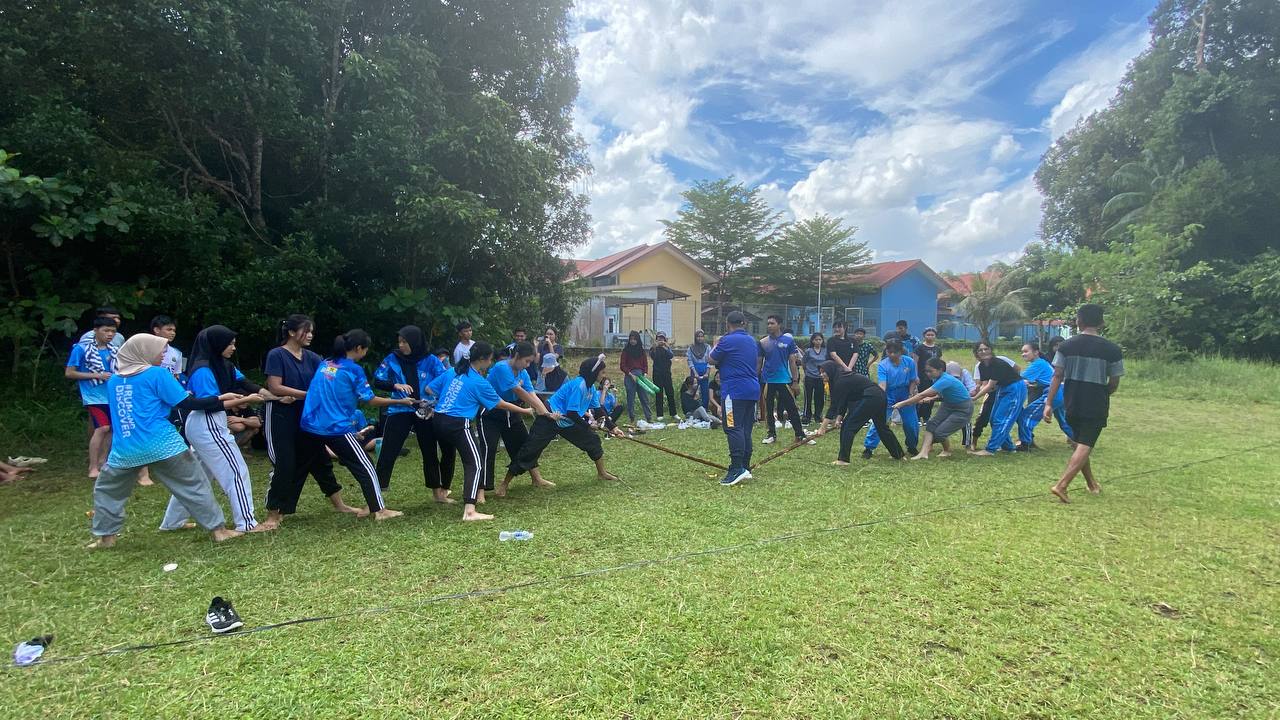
point(699, 357)
point(568, 407)
point(213, 375)
point(404, 374)
point(141, 396)
point(634, 362)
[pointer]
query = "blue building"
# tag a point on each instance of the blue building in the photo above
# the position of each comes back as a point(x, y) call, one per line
point(898, 290)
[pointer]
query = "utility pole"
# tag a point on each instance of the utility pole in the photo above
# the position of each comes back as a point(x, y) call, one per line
point(820, 328)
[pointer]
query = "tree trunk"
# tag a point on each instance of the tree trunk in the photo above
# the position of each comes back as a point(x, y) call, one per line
point(1204, 27)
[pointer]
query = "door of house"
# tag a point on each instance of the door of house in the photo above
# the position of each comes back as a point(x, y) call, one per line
point(662, 319)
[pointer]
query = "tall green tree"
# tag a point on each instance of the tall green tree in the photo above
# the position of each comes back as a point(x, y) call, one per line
point(725, 226)
point(821, 245)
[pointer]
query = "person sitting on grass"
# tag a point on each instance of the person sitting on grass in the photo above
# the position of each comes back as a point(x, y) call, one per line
point(243, 424)
point(568, 406)
point(693, 410)
point(141, 396)
point(954, 413)
point(859, 400)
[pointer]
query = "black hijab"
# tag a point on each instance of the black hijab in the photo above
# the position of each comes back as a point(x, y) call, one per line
point(417, 342)
point(633, 351)
point(589, 370)
point(207, 352)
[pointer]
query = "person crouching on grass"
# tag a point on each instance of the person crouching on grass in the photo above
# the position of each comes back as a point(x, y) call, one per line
point(141, 395)
point(461, 395)
point(569, 405)
point(859, 400)
point(954, 413)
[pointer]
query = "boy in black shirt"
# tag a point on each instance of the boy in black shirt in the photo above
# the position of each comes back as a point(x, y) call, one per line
point(1090, 367)
point(840, 347)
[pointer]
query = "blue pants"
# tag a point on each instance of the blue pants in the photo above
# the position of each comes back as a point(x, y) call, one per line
point(1060, 414)
point(704, 384)
point(1004, 416)
point(738, 431)
point(1034, 413)
point(910, 421)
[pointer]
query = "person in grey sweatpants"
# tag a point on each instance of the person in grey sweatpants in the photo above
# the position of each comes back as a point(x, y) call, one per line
point(141, 396)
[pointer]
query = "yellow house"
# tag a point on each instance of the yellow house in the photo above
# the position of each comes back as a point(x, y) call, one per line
point(649, 288)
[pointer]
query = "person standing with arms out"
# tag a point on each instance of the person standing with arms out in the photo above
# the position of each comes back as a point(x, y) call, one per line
point(924, 352)
point(635, 362)
point(1038, 375)
point(290, 368)
point(141, 396)
point(897, 374)
point(815, 395)
point(662, 356)
point(737, 358)
point(782, 378)
point(954, 414)
point(213, 375)
point(860, 401)
point(111, 314)
point(91, 366)
point(864, 353)
point(405, 373)
point(460, 396)
point(1090, 368)
point(331, 415)
point(699, 358)
point(510, 379)
point(1003, 380)
point(463, 348)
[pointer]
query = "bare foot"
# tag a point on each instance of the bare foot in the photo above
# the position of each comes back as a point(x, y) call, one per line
point(342, 507)
point(102, 543)
point(362, 512)
point(1061, 493)
point(839, 463)
point(93, 474)
point(605, 476)
point(469, 514)
point(145, 481)
point(480, 496)
point(1094, 488)
point(222, 534)
point(386, 514)
point(981, 453)
point(263, 527)
point(442, 496)
point(502, 488)
point(944, 454)
point(543, 483)
point(921, 456)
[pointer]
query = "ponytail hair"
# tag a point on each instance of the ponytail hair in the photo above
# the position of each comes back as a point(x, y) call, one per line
point(481, 350)
point(292, 324)
point(344, 344)
point(523, 349)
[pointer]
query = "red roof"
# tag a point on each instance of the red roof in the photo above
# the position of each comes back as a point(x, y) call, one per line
point(963, 284)
point(610, 264)
point(882, 273)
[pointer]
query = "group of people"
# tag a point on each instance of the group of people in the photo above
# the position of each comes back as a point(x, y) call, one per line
point(155, 412)
point(915, 382)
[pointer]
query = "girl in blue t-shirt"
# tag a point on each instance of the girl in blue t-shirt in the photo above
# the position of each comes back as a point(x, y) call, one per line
point(331, 414)
point(898, 377)
point(510, 379)
point(460, 396)
point(404, 373)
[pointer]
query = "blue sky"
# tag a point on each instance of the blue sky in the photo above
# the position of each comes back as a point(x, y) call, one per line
point(920, 122)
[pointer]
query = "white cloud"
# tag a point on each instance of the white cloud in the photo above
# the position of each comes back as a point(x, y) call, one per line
point(1087, 82)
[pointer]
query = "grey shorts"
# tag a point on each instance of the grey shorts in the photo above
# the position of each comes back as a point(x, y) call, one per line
point(948, 418)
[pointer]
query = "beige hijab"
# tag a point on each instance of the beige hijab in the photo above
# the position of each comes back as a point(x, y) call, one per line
point(139, 353)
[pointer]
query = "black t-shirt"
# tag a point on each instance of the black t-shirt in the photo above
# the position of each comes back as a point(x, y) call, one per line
point(1088, 363)
point(1002, 372)
point(923, 354)
point(842, 347)
point(661, 361)
point(848, 387)
point(293, 373)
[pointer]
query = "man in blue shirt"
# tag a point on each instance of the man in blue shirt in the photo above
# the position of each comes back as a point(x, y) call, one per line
point(1038, 375)
point(781, 373)
point(737, 357)
point(904, 336)
point(91, 365)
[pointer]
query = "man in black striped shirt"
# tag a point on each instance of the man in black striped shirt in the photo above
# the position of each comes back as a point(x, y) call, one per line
point(1090, 366)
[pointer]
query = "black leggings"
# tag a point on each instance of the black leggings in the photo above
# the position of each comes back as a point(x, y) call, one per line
point(508, 426)
point(288, 470)
point(984, 417)
point(859, 411)
point(925, 409)
point(781, 394)
point(436, 472)
point(667, 391)
point(458, 433)
point(815, 396)
point(350, 451)
point(579, 434)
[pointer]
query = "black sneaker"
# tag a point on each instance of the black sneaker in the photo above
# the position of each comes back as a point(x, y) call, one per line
point(222, 618)
point(866, 454)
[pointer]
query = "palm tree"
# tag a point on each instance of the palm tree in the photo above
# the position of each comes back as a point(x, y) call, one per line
point(1135, 185)
point(992, 300)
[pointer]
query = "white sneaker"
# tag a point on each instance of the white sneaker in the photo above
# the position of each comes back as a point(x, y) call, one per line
point(812, 442)
point(768, 440)
point(660, 418)
point(657, 426)
point(810, 432)
point(704, 425)
point(682, 426)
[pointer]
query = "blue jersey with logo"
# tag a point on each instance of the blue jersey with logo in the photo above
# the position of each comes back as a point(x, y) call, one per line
point(333, 399)
point(1039, 371)
point(896, 377)
point(736, 355)
point(504, 380)
point(140, 407)
point(203, 384)
point(777, 358)
point(429, 368)
point(463, 396)
point(573, 396)
point(951, 389)
point(92, 392)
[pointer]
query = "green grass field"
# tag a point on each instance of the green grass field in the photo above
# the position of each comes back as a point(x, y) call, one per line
point(1156, 599)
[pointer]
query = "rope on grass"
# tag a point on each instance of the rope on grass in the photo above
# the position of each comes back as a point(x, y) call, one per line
point(677, 453)
point(637, 564)
point(784, 451)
